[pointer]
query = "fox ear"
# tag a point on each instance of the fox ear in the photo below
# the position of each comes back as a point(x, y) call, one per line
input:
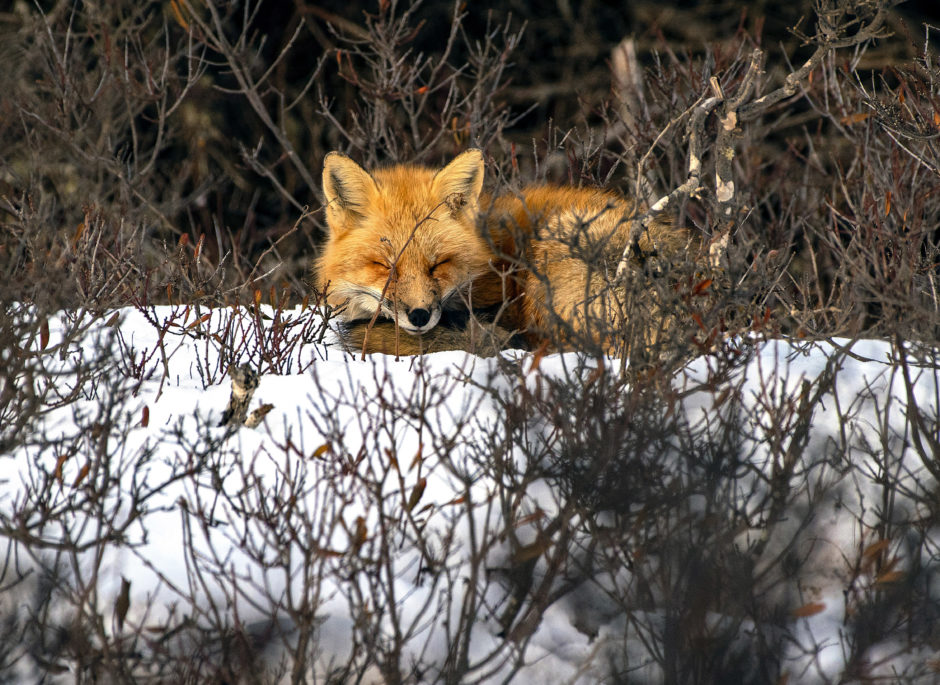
point(459, 183)
point(348, 189)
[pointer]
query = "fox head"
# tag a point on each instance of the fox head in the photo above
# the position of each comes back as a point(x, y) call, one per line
point(402, 240)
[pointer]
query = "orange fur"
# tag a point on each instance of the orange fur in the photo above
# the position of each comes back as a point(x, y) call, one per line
point(416, 243)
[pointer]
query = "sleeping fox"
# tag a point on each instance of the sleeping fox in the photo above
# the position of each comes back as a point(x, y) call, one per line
point(419, 259)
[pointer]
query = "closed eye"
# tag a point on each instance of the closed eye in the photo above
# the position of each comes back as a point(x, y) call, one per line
point(440, 263)
point(378, 263)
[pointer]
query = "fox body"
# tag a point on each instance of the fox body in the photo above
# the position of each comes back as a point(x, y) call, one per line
point(424, 247)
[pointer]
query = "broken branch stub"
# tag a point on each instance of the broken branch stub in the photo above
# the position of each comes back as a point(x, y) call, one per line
point(244, 384)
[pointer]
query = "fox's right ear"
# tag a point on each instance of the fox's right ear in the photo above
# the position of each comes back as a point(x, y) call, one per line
point(459, 183)
point(348, 189)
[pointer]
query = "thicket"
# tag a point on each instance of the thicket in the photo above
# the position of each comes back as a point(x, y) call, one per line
point(169, 153)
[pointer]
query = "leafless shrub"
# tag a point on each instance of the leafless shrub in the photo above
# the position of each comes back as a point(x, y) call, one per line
point(685, 511)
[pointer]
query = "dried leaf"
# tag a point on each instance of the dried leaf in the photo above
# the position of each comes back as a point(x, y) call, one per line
point(529, 552)
point(810, 609)
point(537, 356)
point(59, 463)
point(875, 549)
point(417, 493)
point(178, 14)
point(44, 334)
point(123, 602)
point(596, 374)
point(891, 564)
point(361, 534)
point(856, 118)
point(201, 319)
point(393, 460)
point(79, 232)
point(889, 577)
point(888, 203)
point(534, 516)
point(321, 450)
point(83, 472)
point(701, 287)
point(417, 460)
point(145, 417)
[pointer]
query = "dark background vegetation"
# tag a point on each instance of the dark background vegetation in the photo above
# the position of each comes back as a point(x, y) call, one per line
point(170, 152)
point(187, 147)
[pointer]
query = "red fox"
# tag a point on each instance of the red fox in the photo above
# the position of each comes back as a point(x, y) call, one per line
point(427, 250)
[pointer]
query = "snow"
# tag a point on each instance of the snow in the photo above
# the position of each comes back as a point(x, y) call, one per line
point(330, 408)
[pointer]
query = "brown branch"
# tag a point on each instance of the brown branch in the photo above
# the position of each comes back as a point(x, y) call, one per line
point(696, 134)
point(835, 21)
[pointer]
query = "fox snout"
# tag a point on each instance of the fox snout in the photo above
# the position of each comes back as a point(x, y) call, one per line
point(414, 303)
point(417, 319)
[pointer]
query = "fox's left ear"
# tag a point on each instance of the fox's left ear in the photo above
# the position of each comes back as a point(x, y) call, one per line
point(459, 183)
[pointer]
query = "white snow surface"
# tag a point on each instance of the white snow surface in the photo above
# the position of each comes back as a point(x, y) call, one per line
point(326, 403)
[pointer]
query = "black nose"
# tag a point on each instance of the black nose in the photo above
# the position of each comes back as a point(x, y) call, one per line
point(419, 317)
